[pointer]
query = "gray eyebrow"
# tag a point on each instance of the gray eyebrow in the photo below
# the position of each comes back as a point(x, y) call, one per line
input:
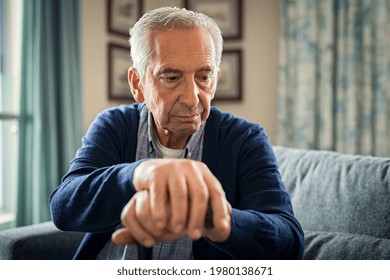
point(170, 70)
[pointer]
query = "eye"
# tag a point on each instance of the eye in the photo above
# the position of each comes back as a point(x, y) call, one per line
point(204, 77)
point(171, 78)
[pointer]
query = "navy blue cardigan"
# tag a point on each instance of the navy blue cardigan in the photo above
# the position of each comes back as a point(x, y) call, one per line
point(99, 184)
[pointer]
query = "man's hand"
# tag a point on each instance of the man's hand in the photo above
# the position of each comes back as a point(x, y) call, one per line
point(138, 225)
point(171, 201)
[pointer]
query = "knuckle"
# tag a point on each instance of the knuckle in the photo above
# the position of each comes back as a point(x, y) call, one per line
point(142, 215)
point(203, 167)
point(220, 191)
point(180, 194)
point(217, 188)
point(202, 197)
point(126, 213)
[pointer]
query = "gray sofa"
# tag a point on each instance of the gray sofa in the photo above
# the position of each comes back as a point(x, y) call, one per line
point(342, 202)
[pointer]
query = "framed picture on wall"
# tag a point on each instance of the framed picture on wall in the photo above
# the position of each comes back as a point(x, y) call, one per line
point(149, 5)
point(230, 81)
point(122, 14)
point(119, 62)
point(227, 14)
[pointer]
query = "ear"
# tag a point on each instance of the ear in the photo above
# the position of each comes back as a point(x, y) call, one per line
point(218, 74)
point(135, 84)
point(216, 82)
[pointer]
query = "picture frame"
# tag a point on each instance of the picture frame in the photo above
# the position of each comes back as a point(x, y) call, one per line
point(227, 14)
point(119, 61)
point(148, 5)
point(229, 86)
point(122, 14)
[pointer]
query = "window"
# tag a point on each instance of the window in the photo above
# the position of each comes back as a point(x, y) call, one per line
point(10, 32)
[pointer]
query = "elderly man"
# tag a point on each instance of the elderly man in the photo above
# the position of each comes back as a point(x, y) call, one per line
point(149, 173)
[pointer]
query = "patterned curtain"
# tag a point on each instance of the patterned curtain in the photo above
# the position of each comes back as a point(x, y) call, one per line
point(334, 76)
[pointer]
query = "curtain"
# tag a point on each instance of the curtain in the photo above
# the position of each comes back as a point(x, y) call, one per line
point(50, 106)
point(334, 85)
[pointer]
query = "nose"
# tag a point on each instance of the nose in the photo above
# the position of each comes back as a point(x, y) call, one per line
point(190, 93)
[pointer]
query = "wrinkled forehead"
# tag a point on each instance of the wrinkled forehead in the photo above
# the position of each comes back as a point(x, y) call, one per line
point(183, 44)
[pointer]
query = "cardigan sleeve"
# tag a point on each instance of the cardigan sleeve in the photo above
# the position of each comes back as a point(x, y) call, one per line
point(98, 184)
point(263, 222)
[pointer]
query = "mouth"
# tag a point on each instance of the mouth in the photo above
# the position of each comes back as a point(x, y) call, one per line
point(187, 118)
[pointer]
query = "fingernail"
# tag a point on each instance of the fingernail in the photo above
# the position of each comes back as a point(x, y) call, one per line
point(159, 224)
point(178, 228)
point(148, 243)
point(196, 234)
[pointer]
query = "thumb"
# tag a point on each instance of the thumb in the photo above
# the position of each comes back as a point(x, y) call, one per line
point(122, 237)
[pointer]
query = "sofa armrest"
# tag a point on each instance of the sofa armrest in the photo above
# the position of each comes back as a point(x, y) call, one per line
point(38, 242)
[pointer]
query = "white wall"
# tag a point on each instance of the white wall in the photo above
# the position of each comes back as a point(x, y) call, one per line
point(260, 56)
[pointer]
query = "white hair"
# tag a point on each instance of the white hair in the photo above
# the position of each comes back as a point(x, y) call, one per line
point(168, 18)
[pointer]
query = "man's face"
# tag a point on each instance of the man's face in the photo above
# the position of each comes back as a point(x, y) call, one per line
point(180, 82)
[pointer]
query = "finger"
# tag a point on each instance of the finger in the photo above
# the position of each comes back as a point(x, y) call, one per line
point(229, 206)
point(218, 235)
point(198, 199)
point(218, 202)
point(132, 224)
point(152, 175)
point(143, 214)
point(222, 233)
point(139, 176)
point(178, 199)
point(122, 237)
point(158, 192)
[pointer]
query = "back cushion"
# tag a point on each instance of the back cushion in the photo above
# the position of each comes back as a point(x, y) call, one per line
point(335, 192)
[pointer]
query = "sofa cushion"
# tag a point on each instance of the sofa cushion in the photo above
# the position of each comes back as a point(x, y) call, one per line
point(38, 242)
point(345, 246)
point(333, 192)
